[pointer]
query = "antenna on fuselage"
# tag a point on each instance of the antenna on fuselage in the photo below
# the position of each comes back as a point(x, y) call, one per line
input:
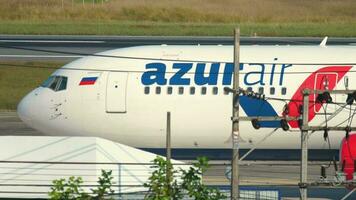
point(323, 43)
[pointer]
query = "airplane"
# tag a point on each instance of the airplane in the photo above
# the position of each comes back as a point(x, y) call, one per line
point(124, 94)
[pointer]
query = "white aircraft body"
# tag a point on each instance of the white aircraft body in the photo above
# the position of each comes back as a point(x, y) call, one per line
point(123, 95)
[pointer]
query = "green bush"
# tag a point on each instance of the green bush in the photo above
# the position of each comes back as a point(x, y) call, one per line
point(180, 183)
point(165, 183)
point(105, 184)
point(158, 186)
point(71, 189)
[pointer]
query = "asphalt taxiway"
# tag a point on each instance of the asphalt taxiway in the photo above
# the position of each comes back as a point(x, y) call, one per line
point(67, 48)
point(252, 172)
point(263, 175)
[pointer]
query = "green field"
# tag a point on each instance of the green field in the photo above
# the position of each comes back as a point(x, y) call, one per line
point(19, 78)
point(180, 17)
point(174, 29)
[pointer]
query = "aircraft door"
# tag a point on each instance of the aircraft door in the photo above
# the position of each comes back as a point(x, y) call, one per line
point(116, 91)
point(325, 80)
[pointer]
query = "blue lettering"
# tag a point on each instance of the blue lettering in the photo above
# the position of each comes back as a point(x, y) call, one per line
point(212, 79)
point(177, 78)
point(284, 66)
point(272, 73)
point(228, 72)
point(157, 76)
point(260, 79)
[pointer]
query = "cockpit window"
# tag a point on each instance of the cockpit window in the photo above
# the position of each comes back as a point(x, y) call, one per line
point(56, 83)
point(47, 82)
point(63, 84)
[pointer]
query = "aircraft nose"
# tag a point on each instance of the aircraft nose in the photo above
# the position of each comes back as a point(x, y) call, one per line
point(26, 108)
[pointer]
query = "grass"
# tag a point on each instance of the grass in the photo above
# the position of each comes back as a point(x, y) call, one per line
point(19, 78)
point(207, 11)
point(180, 17)
point(173, 29)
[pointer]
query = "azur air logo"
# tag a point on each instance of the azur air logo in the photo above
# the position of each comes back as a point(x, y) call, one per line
point(213, 74)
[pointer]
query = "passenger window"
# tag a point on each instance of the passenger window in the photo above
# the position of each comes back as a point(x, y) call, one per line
point(226, 92)
point(147, 90)
point(272, 90)
point(192, 90)
point(215, 90)
point(260, 90)
point(158, 90)
point(284, 91)
point(203, 90)
point(180, 90)
point(169, 90)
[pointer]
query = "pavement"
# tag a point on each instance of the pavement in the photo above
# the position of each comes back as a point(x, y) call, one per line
point(282, 176)
point(11, 124)
point(252, 172)
point(68, 48)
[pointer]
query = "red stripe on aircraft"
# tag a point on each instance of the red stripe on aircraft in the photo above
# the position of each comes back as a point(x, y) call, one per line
point(315, 82)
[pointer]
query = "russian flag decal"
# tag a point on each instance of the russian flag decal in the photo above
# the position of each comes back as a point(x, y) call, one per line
point(88, 81)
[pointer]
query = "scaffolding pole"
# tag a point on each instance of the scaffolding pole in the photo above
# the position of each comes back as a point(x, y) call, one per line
point(168, 154)
point(235, 123)
point(303, 185)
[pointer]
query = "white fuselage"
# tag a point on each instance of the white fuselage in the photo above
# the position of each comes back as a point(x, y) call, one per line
point(119, 107)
